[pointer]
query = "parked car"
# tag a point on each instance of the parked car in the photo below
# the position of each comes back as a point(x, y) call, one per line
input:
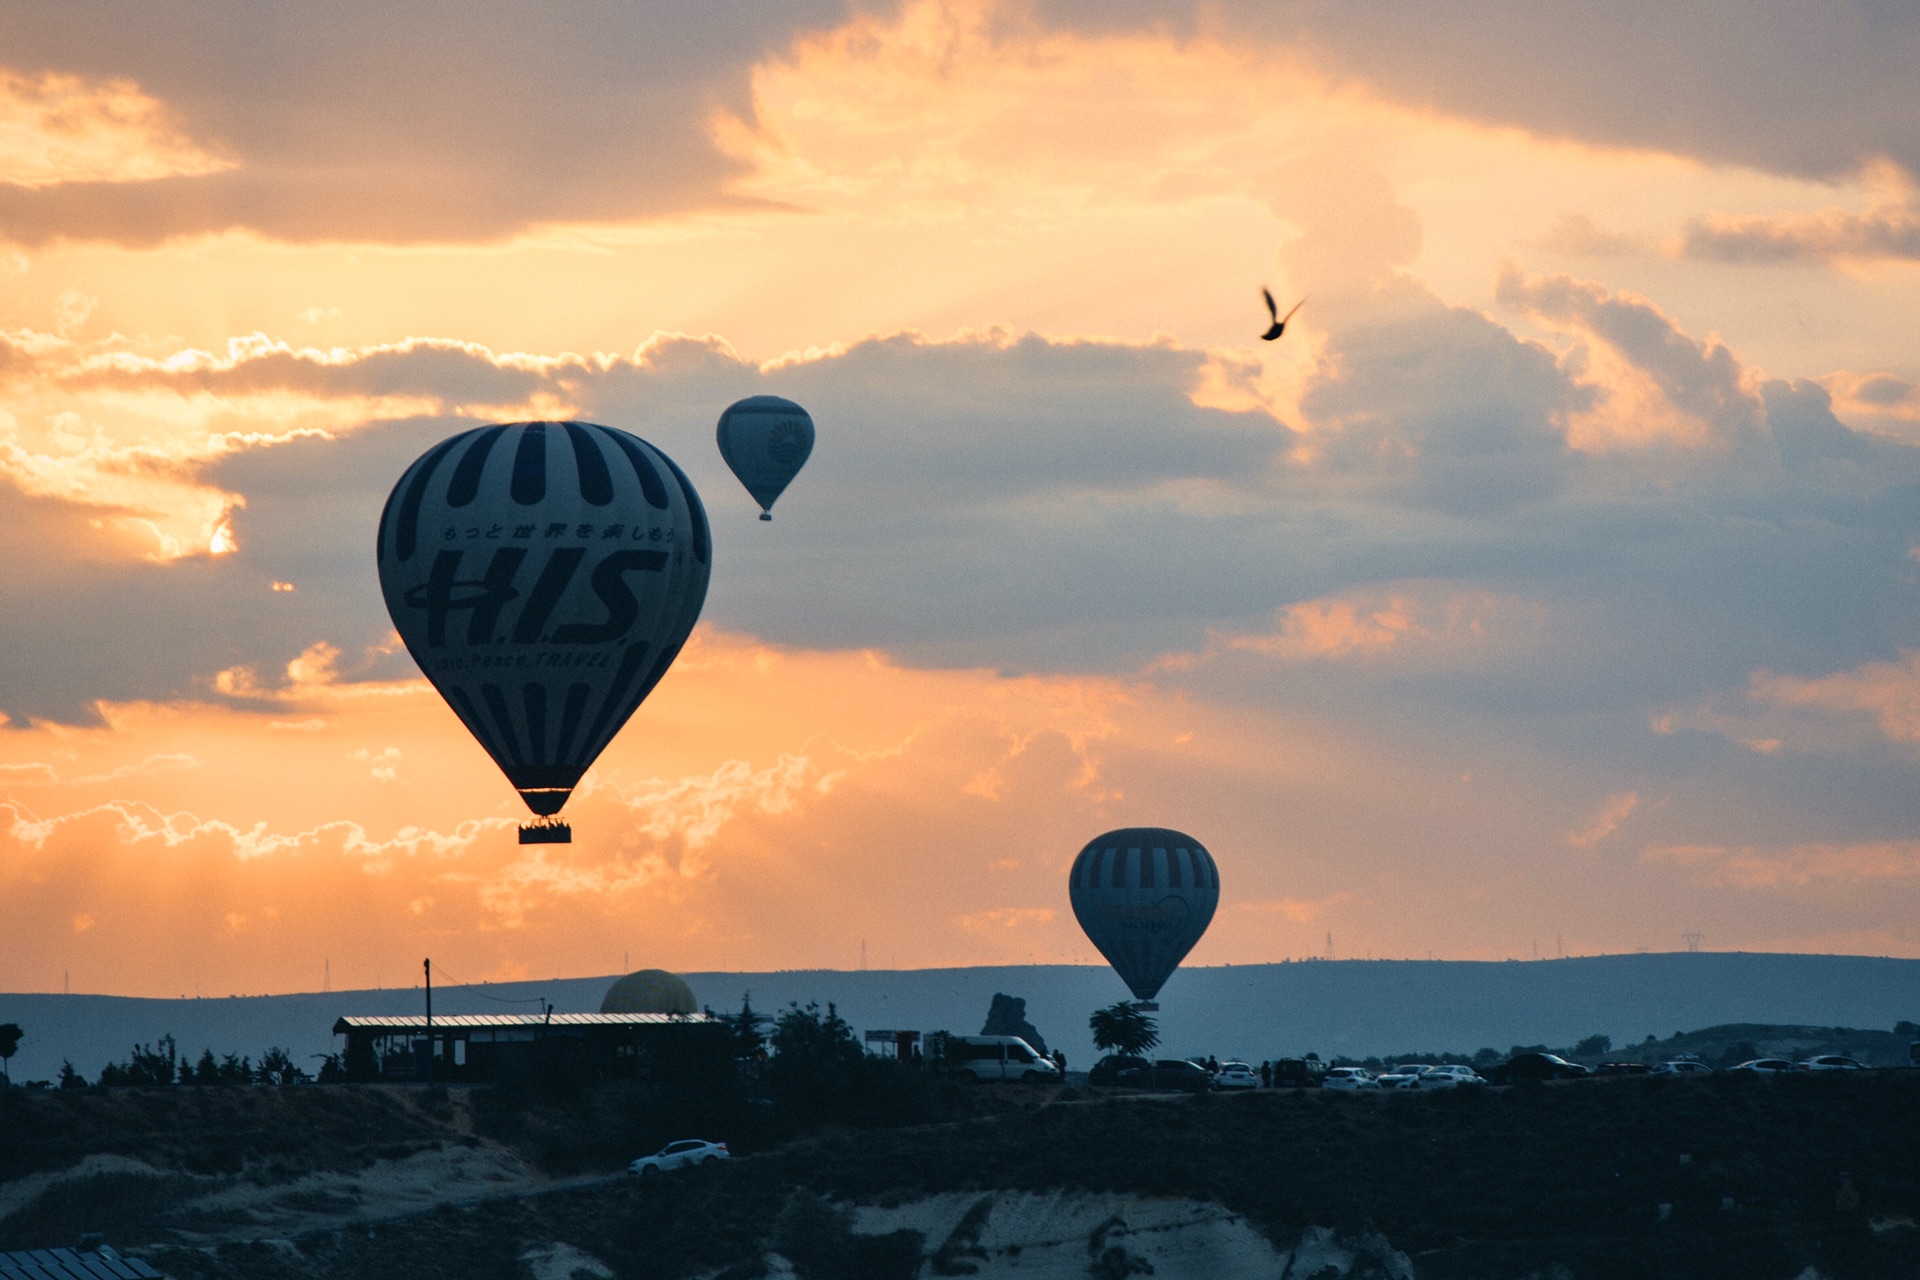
point(1129, 1072)
point(1299, 1073)
point(1765, 1066)
point(1236, 1075)
point(1109, 1071)
point(1178, 1073)
point(1349, 1078)
point(1683, 1067)
point(1448, 1077)
point(1622, 1069)
point(1536, 1066)
point(1833, 1062)
point(680, 1155)
point(998, 1058)
point(1404, 1074)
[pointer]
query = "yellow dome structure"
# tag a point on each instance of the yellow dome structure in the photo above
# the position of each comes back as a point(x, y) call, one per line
point(649, 991)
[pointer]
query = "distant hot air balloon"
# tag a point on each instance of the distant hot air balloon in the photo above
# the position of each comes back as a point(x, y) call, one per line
point(544, 575)
point(1144, 895)
point(765, 440)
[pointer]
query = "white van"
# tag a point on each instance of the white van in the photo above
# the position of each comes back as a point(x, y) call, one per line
point(998, 1058)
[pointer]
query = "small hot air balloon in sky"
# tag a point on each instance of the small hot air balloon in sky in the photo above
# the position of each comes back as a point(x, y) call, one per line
point(544, 575)
point(1144, 895)
point(765, 440)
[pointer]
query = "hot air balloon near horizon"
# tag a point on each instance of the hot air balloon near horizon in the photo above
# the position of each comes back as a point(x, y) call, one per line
point(1144, 895)
point(544, 576)
point(765, 440)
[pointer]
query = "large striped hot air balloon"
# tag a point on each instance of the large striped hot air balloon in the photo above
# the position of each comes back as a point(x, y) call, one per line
point(1144, 895)
point(544, 575)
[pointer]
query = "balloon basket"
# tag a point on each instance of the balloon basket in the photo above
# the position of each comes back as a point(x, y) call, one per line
point(766, 515)
point(546, 831)
point(1144, 1006)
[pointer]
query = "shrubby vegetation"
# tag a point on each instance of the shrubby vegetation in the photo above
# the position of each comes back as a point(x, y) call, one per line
point(162, 1064)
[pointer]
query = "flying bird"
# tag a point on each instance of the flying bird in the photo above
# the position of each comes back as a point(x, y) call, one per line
point(1279, 325)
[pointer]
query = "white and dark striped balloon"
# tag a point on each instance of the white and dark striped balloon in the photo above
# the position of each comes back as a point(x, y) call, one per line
point(1144, 895)
point(544, 575)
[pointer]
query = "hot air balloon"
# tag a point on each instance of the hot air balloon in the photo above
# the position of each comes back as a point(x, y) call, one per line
point(765, 440)
point(544, 575)
point(1144, 895)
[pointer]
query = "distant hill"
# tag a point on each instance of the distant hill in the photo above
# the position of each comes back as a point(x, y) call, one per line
point(1351, 1007)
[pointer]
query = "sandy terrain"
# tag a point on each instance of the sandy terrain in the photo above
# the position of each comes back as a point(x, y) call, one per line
point(1071, 1235)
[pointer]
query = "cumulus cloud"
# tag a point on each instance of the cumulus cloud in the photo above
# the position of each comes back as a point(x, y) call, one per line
point(1661, 385)
point(420, 121)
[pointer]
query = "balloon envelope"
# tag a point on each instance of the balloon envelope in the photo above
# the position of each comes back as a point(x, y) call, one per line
point(765, 440)
point(544, 575)
point(1144, 895)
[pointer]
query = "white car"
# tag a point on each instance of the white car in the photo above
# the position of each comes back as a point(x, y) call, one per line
point(1833, 1062)
point(1404, 1074)
point(680, 1155)
point(1236, 1075)
point(1349, 1078)
point(1765, 1066)
point(1449, 1077)
point(1682, 1067)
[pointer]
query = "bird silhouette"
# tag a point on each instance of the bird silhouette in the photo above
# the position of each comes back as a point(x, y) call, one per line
point(1279, 325)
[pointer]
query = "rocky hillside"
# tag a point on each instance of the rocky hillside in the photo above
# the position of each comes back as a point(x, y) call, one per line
point(1732, 1176)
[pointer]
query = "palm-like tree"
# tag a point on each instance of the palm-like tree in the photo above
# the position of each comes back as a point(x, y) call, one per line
point(10, 1034)
point(1121, 1028)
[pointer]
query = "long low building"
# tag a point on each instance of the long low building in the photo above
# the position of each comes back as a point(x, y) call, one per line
point(467, 1047)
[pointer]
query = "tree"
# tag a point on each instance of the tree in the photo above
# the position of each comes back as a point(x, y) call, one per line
point(10, 1034)
point(69, 1078)
point(1121, 1028)
point(804, 1036)
point(1593, 1046)
point(277, 1067)
point(146, 1066)
point(743, 1029)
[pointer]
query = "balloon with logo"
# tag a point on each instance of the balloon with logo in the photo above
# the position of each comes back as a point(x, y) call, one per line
point(765, 440)
point(544, 575)
point(1144, 895)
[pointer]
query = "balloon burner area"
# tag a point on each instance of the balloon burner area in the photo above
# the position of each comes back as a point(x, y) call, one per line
point(546, 831)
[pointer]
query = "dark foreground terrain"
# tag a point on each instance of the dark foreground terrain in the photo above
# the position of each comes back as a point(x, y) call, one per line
point(1564, 1180)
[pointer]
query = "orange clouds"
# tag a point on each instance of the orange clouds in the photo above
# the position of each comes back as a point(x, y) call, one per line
point(1606, 821)
point(1795, 866)
point(61, 128)
point(1889, 692)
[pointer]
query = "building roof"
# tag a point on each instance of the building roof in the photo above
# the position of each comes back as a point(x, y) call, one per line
point(511, 1021)
point(65, 1264)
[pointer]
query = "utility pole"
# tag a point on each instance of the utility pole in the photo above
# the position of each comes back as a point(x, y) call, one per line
point(427, 964)
point(1694, 939)
point(1329, 944)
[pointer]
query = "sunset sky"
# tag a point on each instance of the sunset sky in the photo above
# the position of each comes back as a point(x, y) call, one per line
point(1552, 585)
